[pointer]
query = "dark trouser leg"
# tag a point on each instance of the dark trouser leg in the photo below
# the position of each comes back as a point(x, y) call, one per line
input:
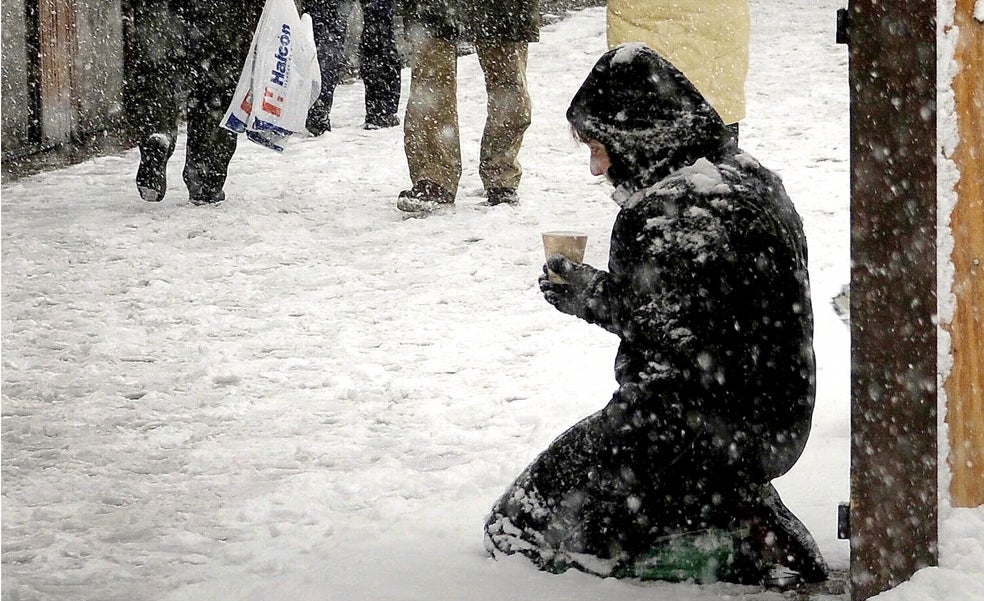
point(560, 506)
point(606, 491)
point(614, 485)
point(380, 66)
point(152, 116)
point(330, 20)
point(153, 84)
point(219, 33)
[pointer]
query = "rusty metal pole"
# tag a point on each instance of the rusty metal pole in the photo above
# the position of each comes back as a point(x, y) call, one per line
point(893, 510)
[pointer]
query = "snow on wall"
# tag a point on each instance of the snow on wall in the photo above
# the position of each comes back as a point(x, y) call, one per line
point(948, 174)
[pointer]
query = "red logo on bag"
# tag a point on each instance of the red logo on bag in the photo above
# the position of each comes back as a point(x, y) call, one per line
point(269, 98)
point(247, 105)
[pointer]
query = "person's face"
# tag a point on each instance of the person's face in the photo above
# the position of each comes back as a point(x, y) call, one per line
point(599, 158)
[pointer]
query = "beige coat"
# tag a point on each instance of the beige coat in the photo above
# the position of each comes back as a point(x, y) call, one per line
point(706, 40)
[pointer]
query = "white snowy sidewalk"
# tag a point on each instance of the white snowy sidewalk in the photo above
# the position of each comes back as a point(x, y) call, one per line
point(302, 394)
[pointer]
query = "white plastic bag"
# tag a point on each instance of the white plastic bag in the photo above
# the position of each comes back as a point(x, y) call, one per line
point(280, 79)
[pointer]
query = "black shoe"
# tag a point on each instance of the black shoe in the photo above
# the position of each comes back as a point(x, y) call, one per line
point(152, 173)
point(381, 121)
point(203, 189)
point(205, 196)
point(502, 196)
point(778, 549)
point(424, 197)
point(318, 119)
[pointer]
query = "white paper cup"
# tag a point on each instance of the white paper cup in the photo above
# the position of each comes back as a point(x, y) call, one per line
point(567, 243)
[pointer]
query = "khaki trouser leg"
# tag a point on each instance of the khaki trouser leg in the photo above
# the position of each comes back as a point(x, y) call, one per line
point(509, 112)
point(430, 130)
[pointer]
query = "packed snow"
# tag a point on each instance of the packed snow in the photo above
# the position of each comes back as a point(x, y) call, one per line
point(302, 394)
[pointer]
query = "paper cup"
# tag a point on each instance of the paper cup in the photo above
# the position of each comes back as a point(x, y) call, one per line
point(569, 244)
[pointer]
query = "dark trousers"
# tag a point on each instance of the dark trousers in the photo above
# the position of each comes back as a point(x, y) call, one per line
point(380, 61)
point(616, 483)
point(197, 46)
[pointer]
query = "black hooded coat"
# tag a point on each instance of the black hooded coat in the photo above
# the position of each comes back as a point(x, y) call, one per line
point(708, 291)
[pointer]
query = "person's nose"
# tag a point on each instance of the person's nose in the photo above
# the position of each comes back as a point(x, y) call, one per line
point(599, 162)
point(598, 165)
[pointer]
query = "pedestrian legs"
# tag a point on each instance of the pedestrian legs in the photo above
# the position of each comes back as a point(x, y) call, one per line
point(380, 62)
point(330, 20)
point(509, 113)
point(151, 87)
point(217, 49)
point(431, 137)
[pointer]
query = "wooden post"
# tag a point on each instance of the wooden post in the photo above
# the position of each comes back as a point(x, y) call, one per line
point(965, 385)
point(60, 106)
point(893, 512)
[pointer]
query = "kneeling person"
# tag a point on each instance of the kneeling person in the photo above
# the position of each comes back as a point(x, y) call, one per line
point(707, 289)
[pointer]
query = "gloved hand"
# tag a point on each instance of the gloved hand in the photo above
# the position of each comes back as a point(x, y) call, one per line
point(571, 296)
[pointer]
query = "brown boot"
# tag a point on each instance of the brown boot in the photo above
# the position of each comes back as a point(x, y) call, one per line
point(425, 197)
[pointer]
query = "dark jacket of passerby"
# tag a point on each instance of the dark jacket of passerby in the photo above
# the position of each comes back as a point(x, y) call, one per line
point(708, 291)
point(477, 20)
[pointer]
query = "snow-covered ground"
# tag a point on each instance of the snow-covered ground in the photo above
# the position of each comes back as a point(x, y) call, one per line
point(301, 394)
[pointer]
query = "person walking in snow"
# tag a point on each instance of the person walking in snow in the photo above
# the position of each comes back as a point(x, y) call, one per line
point(707, 41)
point(203, 42)
point(708, 291)
point(501, 32)
point(379, 65)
